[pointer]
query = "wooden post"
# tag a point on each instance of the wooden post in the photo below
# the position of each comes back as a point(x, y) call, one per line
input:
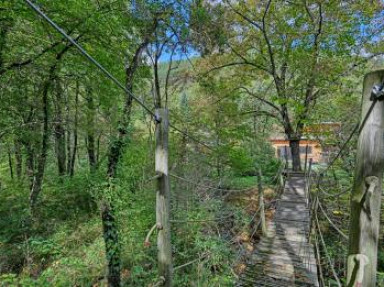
point(163, 199)
point(310, 166)
point(261, 203)
point(307, 175)
point(306, 158)
point(282, 181)
point(367, 189)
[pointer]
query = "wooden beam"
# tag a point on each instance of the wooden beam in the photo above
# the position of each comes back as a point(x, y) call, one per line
point(367, 190)
point(163, 199)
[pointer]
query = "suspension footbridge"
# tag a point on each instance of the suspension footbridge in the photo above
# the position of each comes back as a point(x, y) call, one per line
point(285, 256)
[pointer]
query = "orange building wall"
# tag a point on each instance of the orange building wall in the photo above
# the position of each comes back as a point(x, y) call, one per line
point(315, 155)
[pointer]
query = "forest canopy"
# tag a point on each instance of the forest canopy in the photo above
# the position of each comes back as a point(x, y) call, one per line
point(147, 143)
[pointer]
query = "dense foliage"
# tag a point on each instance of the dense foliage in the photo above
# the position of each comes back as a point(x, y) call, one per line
point(77, 152)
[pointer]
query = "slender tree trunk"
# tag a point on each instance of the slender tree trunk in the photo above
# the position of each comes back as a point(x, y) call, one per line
point(38, 177)
point(10, 163)
point(27, 143)
point(98, 149)
point(75, 138)
point(112, 245)
point(18, 159)
point(60, 131)
point(68, 137)
point(68, 133)
point(218, 143)
point(91, 142)
point(110, 230)
point(4, 29)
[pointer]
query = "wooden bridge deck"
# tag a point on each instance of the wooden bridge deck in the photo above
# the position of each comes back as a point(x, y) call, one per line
point(285, 257)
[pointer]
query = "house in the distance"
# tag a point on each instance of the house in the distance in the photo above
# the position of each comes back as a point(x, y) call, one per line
point(315, 137)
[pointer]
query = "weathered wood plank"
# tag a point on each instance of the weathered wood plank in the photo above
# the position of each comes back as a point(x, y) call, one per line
point(284, 257)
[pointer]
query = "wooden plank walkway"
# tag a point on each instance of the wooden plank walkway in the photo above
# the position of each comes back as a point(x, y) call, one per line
point(285, 257)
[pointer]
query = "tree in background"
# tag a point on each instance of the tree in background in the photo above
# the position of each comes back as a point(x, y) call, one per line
point(300, 49)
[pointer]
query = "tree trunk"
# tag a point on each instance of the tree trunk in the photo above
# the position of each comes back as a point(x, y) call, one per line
point(10, 163)
point(18, 159)
point(71, 170)
point(110, 230)
point(218, 143)
point(91, 142)
point(68, 133)
point(60, 131)
point(295, 153)
point(5, 27)
point(98, 150)
point(367, 190)
point(68, 137)
point(38, 177)
point(112, 245)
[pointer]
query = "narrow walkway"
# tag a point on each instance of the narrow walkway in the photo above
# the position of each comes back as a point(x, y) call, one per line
point(284, 257)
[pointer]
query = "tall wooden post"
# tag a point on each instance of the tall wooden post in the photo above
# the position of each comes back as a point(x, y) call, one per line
point(163, 199)
point(306, 159)
point(261, 203)
point(367, 189)
point(308, 176)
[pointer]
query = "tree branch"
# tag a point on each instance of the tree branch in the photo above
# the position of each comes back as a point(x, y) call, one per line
point(266, 113)
point(229, 65)
point(248, 62)
point(35, 57)
point(261, 98)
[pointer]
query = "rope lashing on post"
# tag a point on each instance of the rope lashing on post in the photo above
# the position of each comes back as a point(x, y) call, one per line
point(358, 261)
point(147, 243)
point(159, 283)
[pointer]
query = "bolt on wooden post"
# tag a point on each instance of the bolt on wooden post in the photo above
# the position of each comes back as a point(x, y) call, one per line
point(163, 199)
point(367, 189)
